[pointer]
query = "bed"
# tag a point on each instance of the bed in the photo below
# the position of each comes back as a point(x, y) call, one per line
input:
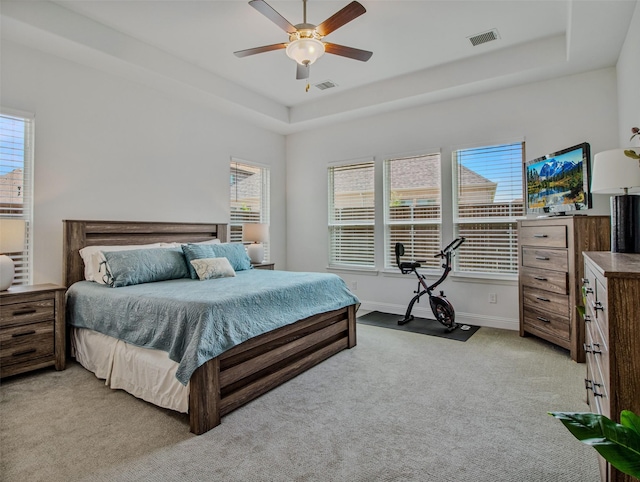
point(238, 374)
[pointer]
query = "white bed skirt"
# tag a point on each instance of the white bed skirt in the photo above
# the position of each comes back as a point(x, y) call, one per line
point(143, 372)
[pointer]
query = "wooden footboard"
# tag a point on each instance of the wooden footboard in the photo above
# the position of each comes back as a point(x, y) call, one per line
point(256, 366)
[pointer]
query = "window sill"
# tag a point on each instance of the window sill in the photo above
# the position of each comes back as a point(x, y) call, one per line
point(344, 269)
point(499, 279)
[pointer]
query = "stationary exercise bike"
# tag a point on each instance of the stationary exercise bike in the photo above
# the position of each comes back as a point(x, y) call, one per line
point(440, 305)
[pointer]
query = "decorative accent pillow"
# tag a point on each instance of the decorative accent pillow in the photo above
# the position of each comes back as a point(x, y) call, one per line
point(138, 266)
point(210, 268)
point(234, 252)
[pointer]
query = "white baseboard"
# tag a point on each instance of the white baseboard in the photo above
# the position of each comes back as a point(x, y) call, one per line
point(463, 318)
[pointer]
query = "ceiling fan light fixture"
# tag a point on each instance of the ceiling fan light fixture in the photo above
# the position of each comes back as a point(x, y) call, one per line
point(305, 51)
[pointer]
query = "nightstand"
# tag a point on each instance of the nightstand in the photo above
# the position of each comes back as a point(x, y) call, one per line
point(32, 328)
point(263, 265)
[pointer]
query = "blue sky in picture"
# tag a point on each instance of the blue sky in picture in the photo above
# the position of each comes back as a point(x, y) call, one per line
point(11, 144)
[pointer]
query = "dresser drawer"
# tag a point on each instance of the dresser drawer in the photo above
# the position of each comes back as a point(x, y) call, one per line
point(12, 314)
point(544, 236)
point(26, 343)
point(551, 259)
point(553, 325)
point(546, 301)
point(554, 281)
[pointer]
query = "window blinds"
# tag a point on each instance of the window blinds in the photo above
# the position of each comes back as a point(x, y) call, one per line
point(487, 201)
point(412, 208)
point(351, 215)
point(249, 198)
point(16, 186)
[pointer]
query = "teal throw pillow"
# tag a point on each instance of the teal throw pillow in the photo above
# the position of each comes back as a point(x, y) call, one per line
point(136, 266)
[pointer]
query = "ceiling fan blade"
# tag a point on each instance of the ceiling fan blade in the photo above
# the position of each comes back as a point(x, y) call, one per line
point(341, 17)
point(267, 10)
point(350, 52)
point(302, 71)
point(259, 50)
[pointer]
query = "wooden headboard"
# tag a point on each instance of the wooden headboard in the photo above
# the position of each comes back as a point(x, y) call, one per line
point(78, 234)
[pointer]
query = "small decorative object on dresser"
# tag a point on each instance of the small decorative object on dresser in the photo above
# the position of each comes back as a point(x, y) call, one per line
point(549, 276)
point(612, 317)
point(32, 330)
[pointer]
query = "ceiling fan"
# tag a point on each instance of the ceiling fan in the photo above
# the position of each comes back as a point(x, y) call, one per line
point(305, 44)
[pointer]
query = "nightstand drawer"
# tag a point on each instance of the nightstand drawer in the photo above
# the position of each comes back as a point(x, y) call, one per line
point(13, 314)
point(25, 343)
point(547, 236)
point(553, 259)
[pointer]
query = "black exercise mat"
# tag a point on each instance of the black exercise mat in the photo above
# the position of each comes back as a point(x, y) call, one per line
point(417, 325)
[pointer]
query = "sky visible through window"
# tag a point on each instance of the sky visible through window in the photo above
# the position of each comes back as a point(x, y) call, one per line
point(501, 164)
point(11, 144)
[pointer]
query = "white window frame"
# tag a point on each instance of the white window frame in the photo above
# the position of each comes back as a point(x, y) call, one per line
point(346, 255)
point(418, 246)
point(500, 262)
point(262, 204)
point(23, 261)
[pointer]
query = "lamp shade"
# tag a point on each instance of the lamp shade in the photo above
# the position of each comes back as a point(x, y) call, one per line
point(255, 233)
point(615, 173)
point(11, 235)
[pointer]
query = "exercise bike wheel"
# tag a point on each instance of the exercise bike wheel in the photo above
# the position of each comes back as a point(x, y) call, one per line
point(444, 312)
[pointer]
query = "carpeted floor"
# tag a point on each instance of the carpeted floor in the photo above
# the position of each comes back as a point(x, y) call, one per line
point(423, 326)
point(398, 407)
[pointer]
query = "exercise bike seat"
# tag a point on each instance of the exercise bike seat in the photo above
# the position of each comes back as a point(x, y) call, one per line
point(405, 267)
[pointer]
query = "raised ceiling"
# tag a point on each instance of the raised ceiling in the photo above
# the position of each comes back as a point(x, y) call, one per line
point(421, 49)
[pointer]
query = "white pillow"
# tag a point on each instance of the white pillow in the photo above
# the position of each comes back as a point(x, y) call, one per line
point(211, 268)
point(178, 245)
point(93, 258)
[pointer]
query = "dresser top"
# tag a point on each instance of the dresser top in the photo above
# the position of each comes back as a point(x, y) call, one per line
point(26, 289)
point(616, 265)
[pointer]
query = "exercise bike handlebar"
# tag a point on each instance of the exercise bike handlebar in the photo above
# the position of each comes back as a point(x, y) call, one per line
point(452, 246)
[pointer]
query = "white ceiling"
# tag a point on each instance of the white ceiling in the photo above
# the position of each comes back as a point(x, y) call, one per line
point(421, 51)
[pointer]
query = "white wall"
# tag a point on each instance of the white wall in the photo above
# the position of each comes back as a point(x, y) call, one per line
point(549, 115)
point(111, 149)
point(628, 70)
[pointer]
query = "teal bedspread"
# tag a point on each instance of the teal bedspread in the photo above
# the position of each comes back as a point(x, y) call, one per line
point(195, 321)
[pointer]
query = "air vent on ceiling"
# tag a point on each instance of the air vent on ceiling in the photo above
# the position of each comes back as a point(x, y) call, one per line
point(484, 37)
point(327, 84)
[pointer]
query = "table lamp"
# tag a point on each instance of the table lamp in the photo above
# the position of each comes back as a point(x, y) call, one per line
point(256, 234)
point(11, 241)
point(615, 173)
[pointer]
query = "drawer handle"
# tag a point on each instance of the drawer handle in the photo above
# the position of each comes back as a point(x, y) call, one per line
point(539, 278)
point(543, 319)
point(28, 311)
point(543, 299)
point(24, 333)
point(542, 258)
point(540, 236)
point(23, 352)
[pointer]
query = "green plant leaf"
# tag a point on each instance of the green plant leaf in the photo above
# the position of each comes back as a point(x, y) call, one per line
point(618, 444)
point(632, 154)
point(630, 420)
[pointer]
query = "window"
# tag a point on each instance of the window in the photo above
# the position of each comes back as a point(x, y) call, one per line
point(249, 197)
point(351, 215)
point(16, 188)
point(487, 201)
point(412, 208)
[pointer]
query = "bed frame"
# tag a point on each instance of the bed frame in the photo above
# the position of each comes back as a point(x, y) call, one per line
point(246, 371)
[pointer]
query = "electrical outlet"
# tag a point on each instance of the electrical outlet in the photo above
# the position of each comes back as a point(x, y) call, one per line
point(354, 286)
point(493, 297)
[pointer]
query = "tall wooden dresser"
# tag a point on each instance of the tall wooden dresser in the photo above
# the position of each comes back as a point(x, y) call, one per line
point(612, 317)
point(550, 274)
